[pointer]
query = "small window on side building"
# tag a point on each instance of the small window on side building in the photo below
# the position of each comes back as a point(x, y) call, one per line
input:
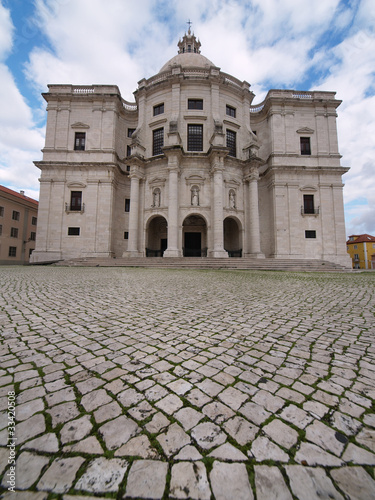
point(126, 235)
point(76, 201)
point(74, 231)
point(127, 205)
point(310, 234)
point(305, 146)
point(15, 215)
point(1, 211)
point(79, 141)
point(14, 232)
point(131, 131)
point(308, 204)
point(12, 252)
point(34, 220)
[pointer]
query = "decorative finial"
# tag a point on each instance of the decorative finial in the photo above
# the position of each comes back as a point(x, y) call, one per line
point(189, 23)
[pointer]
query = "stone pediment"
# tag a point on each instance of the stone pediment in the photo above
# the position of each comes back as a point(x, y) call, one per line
point(80, 125)
point(157, 181)
point(195, 179)
point(305, 130)
point(76, 184)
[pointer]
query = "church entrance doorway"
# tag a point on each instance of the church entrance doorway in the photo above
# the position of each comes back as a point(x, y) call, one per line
point(194, 236)
point(232, 237)
point(157, 237)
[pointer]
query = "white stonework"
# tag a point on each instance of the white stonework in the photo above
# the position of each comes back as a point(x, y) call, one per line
point(261, 181)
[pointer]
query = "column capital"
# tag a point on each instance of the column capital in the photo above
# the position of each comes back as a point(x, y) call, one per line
point(252, 174)
point(136, 172)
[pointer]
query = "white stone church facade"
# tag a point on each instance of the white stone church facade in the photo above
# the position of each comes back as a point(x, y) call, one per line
point(190, 168)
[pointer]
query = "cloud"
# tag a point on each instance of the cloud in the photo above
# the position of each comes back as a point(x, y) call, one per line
point(20, 139)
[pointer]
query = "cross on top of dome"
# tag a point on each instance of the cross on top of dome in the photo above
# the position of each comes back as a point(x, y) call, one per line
point(189, 43)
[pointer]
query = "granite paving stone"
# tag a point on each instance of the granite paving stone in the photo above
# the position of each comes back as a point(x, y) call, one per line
point(154, 383)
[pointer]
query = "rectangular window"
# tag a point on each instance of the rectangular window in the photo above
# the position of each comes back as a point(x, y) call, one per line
point(195, 103)
point(308, 204)
point(305, 146)
point(310, 234)
point(131, 131)
point(15, 215)
point(230, 111)
point(126, 235)
point(355, 247)
point(231, 142)
point(159, 109)
point(1, 211)
point(128, 151)
point(356, 256)
point(74, 231)
point(12, 252)
point(1, 229)
point(76, 201)
point(157, 141)
point(33, 221)
point(195, 137)
point(127, 205)
point(32, 236)
point(79, 141)
point(14, 232)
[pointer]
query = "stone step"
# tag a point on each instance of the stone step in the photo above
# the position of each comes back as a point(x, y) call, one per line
point(207, 263)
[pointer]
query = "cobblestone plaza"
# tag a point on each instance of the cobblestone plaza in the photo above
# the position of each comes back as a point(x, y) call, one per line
point(157, 384)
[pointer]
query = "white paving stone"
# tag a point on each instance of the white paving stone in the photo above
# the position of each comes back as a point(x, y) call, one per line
point(270, 484)
point(311, 483)
point(230, 481)
point(189, 480)
point(102, 475)
point(147, 479)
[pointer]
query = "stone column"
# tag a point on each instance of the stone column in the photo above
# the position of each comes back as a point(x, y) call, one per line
point(133, 250)
point(254, 231)
point(217, 206)
point(173, 211)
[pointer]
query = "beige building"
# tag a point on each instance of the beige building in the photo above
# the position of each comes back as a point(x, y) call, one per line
point(191, 168)
point(18, 222)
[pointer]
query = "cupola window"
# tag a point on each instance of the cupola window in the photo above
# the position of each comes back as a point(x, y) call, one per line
point(195, 137)
point(195, 103)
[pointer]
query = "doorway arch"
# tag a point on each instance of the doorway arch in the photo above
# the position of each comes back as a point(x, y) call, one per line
point(194, 236)
point(157, 236)
point(232, 237)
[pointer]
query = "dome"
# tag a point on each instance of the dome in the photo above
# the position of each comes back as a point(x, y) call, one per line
point(189, 54)
point(187, 59)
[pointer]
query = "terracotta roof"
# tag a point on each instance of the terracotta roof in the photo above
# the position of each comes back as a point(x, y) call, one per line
point(18, 195)
point(360, 238)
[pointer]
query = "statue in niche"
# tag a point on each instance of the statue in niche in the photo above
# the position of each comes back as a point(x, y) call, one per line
point(195, 196)
point(156, 198)
point(232, 199)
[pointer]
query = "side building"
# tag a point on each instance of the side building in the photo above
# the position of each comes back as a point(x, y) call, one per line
point(18, 222)
point(191, 168)
point(361, 248)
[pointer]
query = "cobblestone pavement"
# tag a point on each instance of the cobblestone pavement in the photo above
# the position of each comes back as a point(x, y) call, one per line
point(156, 384)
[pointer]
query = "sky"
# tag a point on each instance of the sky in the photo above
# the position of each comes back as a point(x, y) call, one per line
point(272, 44)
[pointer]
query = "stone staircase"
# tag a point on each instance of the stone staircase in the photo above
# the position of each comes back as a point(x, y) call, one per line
point(301, 265)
